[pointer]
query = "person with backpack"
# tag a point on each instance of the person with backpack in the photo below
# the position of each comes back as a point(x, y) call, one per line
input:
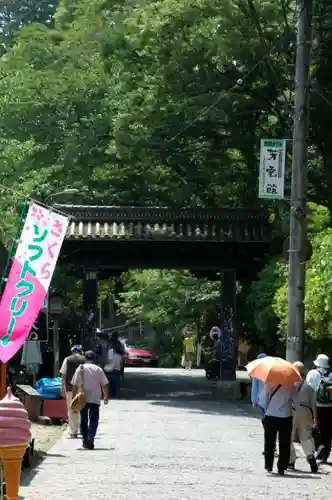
point(320, 379)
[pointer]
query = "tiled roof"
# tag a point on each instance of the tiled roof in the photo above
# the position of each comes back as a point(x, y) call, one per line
point(131, 223)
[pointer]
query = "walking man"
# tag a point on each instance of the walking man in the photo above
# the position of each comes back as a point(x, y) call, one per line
point(95, 386)
point(68, 368)
point(277, 403)
point(320, 379)
point(304, 419)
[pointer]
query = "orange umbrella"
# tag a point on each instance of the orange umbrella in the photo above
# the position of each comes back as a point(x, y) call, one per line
point(273, 371)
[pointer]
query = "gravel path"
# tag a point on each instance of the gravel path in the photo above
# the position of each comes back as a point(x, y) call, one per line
point(168, 450)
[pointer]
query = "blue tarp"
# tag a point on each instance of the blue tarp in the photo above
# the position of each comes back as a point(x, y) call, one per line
point(49, 388)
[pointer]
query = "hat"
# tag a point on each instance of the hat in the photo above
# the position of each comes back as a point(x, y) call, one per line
point(90, 356)
point(77, 348)
point(299, 366)
point(322, 361)
point(262, 355)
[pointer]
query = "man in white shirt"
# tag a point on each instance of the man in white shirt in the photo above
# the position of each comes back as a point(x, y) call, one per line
point(95, 385)
point(277, 402)
point(68, 368)
point(320, 379)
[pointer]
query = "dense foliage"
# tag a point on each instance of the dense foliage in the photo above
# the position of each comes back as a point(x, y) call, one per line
point(163, 103)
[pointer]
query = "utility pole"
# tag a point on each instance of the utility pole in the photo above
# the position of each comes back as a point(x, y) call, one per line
point(298, 212)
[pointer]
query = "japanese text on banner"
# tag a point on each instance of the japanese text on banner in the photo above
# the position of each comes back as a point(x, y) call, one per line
point(272, 169)
point(31, 272)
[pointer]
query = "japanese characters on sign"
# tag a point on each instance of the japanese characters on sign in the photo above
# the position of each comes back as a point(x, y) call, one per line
point(30, 276)
point(272, 169)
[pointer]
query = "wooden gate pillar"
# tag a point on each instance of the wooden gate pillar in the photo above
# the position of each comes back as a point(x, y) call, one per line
point(90, 304)
point(228, 326)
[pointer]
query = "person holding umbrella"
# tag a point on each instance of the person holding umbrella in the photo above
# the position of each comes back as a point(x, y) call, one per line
point(277, 399)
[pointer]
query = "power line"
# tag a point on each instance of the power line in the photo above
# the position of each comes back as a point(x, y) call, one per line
point(236, 85)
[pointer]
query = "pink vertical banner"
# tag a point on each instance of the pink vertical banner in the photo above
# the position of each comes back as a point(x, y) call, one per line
point(30, 276)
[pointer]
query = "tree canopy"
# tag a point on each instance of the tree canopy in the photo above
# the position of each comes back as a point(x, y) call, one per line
point(159, 103)
point(162, 298)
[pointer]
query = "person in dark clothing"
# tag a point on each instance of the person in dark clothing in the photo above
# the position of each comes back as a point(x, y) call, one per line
point(68, 368)
point(320, 379)
point(115, 364)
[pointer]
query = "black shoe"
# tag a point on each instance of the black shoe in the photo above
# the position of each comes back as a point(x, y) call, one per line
point(291, 466)
point(281, 472)
point(90, 445)
point(268, 469)
point(313, 464)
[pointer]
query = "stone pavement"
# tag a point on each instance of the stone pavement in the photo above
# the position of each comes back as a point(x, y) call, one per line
point(178, 447)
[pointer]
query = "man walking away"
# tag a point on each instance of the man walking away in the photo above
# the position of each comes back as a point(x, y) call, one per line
point(320, 379)
point(95, 385)
point(277, 402)
point(68, 368)
point(304, 418)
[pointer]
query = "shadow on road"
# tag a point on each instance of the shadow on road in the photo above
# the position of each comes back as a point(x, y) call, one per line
point(180, 389)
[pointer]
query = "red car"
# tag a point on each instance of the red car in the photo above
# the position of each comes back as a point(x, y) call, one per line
point(140, 355)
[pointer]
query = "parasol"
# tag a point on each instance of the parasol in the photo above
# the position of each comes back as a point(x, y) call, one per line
point(275, 371)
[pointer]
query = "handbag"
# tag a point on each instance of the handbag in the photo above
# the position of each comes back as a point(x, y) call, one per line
point(78, 402)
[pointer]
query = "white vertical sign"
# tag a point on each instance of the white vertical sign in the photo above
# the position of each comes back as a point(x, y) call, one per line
point(272, 169)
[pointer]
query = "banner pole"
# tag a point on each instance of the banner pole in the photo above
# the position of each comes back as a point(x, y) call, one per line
point(13, 246)
point(3, 366)
point(3, 380)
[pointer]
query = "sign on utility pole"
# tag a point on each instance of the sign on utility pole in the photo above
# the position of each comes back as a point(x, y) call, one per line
point(298, 222)
point(272, 169)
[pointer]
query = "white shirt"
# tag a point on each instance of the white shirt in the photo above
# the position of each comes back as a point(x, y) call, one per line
point(281, 403)
point(115, 359)
point(94, 380)
point(314, 378)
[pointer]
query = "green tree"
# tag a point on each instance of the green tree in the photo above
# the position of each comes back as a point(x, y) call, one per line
point(318, 301)
point(16, 14)
point(165, 298)
point(133, 100)
point(168, 301)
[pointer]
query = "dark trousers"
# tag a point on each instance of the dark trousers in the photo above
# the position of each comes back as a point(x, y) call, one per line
point(324, 424)
point(281, 427)
point(89, 422)
point(114, 379)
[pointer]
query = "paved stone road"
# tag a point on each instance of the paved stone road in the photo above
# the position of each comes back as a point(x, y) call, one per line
point(176, 445)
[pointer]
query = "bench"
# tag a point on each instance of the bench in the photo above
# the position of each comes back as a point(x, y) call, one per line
point(30, 399)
